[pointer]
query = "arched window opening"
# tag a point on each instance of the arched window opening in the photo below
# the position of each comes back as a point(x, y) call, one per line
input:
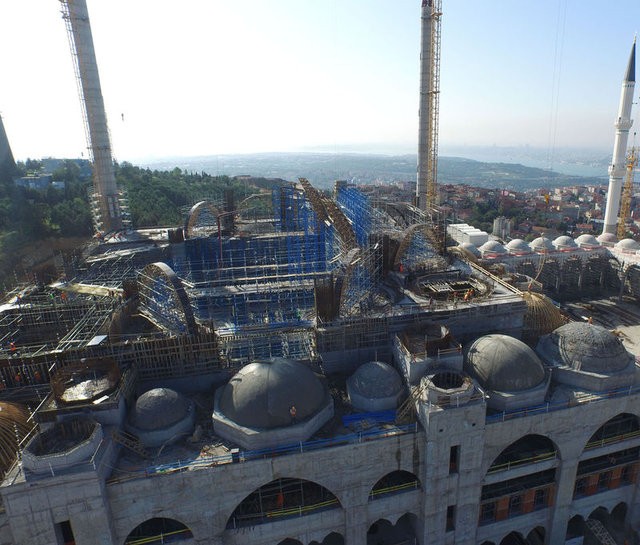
point(619, 428)
point(393, 483)
point(536, 536)
point(514, 538)
point(281, 499)
point(575, 528)
point(333, 538)
point(606, 472)
point(158, 530)
point(289, 541)
point(382, 532)
point(529, 449)
point(514, 497)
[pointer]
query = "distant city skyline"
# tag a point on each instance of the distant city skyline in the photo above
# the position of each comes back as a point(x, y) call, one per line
point(245, 76)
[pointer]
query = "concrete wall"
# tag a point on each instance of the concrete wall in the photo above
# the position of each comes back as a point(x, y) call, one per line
point(204, 499)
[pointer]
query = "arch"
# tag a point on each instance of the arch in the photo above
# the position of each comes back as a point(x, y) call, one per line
point(406, 242)
point(163, 297)
point(334, 538)
point(619, 428)
point(620, 511)
point(529, 449)
point(383, 532)
point(575, 527)
point(513, 538)
point(201, 211)
point(289, 541)
point(157, 530)
point(393, 483)
point(280, 499)
point(536, 536)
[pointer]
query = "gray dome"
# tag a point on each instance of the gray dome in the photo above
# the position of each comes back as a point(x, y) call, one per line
point(585, 347)
point(504, 364)
point(607, 237)
point(564, 241)
point(492, 246)
point(470, 247)
point(375, 379)
point(542, 243)
point(588, 240)
point(518, 245)
point(159, 408)
point(262, 393)
point(628, 244)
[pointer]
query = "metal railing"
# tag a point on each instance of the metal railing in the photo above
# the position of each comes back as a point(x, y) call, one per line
point(561, 405)
point(248, 455)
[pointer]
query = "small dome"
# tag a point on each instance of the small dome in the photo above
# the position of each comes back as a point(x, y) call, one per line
point(564, 241)
point(159, 408)
point(542, 244)
point(628, 244)
point(587, 240)
point(262, 393)
point(492, 247)
point(607, 238)
point(518, 245)
point(585, 347)
point(375, 379)
point(504, 364)
point(470, 247)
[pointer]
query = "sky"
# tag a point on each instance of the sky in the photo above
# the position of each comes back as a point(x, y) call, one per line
point(208, 77)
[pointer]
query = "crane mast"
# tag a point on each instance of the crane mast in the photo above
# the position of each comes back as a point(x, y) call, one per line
point(426, 188)
point(625, 205)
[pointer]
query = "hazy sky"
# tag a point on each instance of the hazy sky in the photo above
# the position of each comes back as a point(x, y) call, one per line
point(206, 77)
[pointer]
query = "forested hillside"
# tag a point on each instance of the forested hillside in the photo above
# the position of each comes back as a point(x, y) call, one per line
point(31, 216)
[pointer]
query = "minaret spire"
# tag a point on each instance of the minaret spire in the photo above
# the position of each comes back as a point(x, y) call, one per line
point(618, 162)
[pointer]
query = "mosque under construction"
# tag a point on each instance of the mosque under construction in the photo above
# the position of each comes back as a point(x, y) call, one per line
point(341, 373)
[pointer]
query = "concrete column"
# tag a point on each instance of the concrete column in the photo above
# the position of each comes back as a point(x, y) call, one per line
point(356, 526)
point(566, 478)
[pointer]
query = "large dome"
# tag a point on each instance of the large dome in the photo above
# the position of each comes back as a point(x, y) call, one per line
point(587, 240)
point(159, 408)
point(542, 244)
point(628, 244)
point(517, 245)
point(492, 247)
point(504, 364)
point(564, 242)
point(585, 347)
point(262, 393)
point(608, 238)
point(470, 248)
point(375, 379)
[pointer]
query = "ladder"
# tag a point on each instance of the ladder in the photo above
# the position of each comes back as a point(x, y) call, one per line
point(129, 441)
point(600, 532)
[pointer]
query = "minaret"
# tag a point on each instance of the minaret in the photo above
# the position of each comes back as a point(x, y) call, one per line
point(7, 164)
point(618, 163)
point(429, 103)
point(76, 17)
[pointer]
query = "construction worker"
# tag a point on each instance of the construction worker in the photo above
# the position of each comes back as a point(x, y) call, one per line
point(293, 412)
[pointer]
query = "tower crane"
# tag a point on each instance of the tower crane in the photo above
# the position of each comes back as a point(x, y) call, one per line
point(625, 204)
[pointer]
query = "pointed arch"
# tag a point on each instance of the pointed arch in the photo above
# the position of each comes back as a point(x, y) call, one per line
point(383, 532)
point(334, 538)
point(281, 499)
point(619, 428)
point(393, 483)
point(201, 216)
point(529, 449)
point(158, 530)
point(514, 538)
point(164, 300)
